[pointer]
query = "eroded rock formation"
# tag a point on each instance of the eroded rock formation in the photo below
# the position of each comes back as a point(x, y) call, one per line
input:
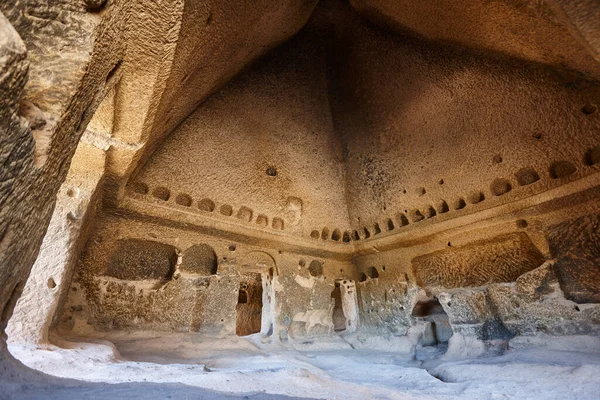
point(364, 168)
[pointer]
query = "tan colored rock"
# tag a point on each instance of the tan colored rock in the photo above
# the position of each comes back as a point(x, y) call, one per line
point(537, 282)
point(16, 147)
point(533, 30)
point(501, 260)
point(299, 170)
point(67, 79)
point(51, 274)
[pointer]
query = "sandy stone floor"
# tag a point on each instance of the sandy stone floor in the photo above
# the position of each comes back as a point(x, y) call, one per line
point(188, 366)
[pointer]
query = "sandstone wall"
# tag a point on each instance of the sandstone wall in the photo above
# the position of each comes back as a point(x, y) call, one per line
point(262, 152)
point(60, 60)
point(452, 157)
point(433, 130)
point(556, 32)
point(71, 58)
point(131, 296)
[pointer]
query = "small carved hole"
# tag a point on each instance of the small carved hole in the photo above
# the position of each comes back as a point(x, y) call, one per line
point(336, 235)
point(161, 193)
point(526, 176)
point(206, 205)
point(593, 156)
point(589, 109)
point(226, 210)
point(390, 225)
point(521, 223)
point(500, 186)
point(372, 272)
point(277, 223)
point(272, 171)
point(183, 200)
point(561, 169)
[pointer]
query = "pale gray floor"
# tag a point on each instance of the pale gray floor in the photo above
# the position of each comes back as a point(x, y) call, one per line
point(93, 391)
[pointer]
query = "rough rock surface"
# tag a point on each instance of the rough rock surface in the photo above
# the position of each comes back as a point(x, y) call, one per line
point(387, 157)
point(51, 274)
point(16, 149)
point(76, 57)
point(67, 93)
point(500, 260)
point(534, 304)
point(534, 30)
point(575, 245)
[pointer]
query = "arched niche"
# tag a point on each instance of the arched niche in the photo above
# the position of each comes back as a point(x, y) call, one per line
point(136, 260)
point(199, 259)
point(258, 261)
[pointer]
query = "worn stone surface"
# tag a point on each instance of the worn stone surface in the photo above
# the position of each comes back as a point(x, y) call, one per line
point(327, 188)
point(76, 54)
point(139, 260)
point(16, 146)
point(534, 30)
point(433, 132)
point(377, 147)
point(181, 53)
point(534, 304)
point(200, 259)
point(278, 124)
point(51, 274)
point(575, 245)
point(67, 92)
point(192, 299)
point(500, 260)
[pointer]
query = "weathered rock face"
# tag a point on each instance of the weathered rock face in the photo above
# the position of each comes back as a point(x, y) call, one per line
point(418, 218)
point(575, 245)
point(556, 32)
point(533, 304)
point(181, 52)
point(346, 181)
point(200, 289)
point(265, 144)
point(500, 260)
point(51, 274)
point(72, 54)
point(435, 131)
point(60, 97)
point(17, 148)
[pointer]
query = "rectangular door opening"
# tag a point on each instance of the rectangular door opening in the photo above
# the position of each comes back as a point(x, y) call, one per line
point(249, 306)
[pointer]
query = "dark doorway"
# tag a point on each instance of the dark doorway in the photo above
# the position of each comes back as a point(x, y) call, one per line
point(339, 319)
point(249, 306)
point(437, 330)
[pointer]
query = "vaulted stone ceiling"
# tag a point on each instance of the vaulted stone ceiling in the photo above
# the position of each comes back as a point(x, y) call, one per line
point(179, 53)
point(351, 132)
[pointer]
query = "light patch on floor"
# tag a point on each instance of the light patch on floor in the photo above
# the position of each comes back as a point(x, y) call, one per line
point(326, 369)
